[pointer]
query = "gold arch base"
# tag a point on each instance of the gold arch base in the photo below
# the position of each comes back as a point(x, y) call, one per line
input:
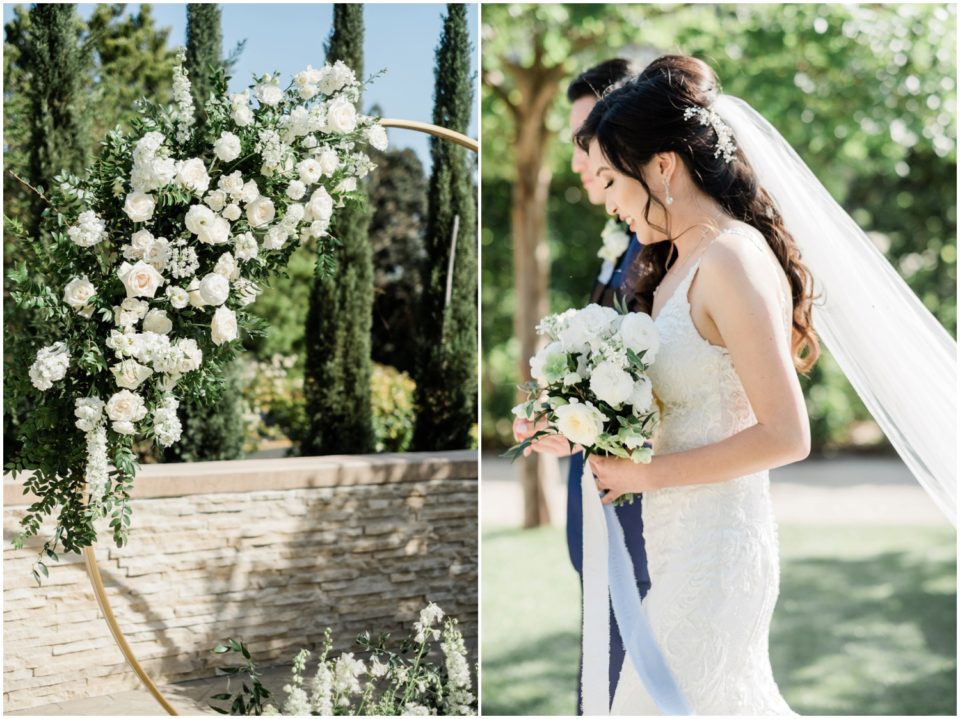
point(89, 553)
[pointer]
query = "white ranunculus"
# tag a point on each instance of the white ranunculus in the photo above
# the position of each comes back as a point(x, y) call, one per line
point(329, 161)
point(214, 289)
point(193, 175)
point(179, 297)
point(232, 212)
point(641, 399)
point(130, 374)
point(260, 212)
point(157, 321)
point(309, 171)
point(640, 333)
point(126, 406)
point(227, 266)
point(215, 200)
point(139, 206)
point(611, 384)
point(227, 147)
point(320, 206)
point(377, 137)
point(341, 116)
point(580, 423)
point(198, 217)
point(78, 292)
point(250, 191)
point(223, 327)
point(140, 280)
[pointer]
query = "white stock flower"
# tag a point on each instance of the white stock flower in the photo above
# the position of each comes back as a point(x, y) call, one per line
point(78, 293)
point(223, 327)
point(97, 471)
point(214, 289)
point(50, 366)
point(639, 333)
point(89, 412)
point(611, 384)
point(260, 212)
point(125, 406)
point(140, 280)
point(227, 147)
point(130, 373)
point(193, 176)
point(377, 137)
point(139, 206)
point(89, 230)
point(580, 423)
point(179, 298)
point(157, 321)
point(232, 184)
point(166, 425)
point(341, 116)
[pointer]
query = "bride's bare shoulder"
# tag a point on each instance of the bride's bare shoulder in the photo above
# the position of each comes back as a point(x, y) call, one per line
point(739, 258)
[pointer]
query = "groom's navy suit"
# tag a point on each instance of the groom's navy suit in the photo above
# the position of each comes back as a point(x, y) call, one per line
point(629, 514)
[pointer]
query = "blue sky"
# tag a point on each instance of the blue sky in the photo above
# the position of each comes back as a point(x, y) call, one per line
point(400, 38)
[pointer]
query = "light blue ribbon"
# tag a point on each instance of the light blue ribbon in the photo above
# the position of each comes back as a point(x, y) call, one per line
point(638, 639)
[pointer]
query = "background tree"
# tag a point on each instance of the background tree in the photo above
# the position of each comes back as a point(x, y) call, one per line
point(447, 357)
point(337, 335)
point(204, 50)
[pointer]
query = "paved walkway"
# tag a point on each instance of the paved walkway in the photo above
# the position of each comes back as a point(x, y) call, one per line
point(844, 490)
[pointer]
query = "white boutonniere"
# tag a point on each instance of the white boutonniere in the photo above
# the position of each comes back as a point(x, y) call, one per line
point(615, 242)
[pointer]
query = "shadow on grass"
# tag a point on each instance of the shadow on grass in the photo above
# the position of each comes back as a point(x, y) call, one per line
point(867, 636)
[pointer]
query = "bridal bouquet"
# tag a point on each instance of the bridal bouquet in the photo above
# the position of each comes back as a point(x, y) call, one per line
point(141, 276)
point(590, 383)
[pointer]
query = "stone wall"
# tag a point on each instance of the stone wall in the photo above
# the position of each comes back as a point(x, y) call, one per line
point(267, 551)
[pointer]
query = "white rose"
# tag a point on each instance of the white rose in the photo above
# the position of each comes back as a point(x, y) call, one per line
point(227, 147)
point(232, 184)
point(586, 326)
point(641, 399)
point(179, 298)
point(275, 238)
point(78, 292)
point(157, 321)
point(309, 171)
point(227, 266)
point(260, 212)
point(639, 333)
point(232, 212)
point(341, 116)
point(130, 373)
point(245, 246)
point(329, 161)
point(377, 137)
point(137, 307)
point(214, 289)
point(192, 355)
point(140, 280)
point(250, 191)
point(168, 381)
point(193, 175)
point(193, 290)
point(223, 327)
point(216, 199)
point(579, 423)
point(158, 253)
point(197, 218)
point(124, 428)
point(139, 206)
point(242, 115)
point(139, 244)
point(268, 92)
point(126, 406)
point(207, 226)
point(296, 189)
point(320, 206)
point(611, 384)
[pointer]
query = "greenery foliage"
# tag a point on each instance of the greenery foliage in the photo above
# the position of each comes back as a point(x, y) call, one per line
point(865, 94)
point(446, 360)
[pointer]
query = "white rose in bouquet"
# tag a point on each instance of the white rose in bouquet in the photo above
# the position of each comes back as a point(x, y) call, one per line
point(223, 327)
point(586, 326)
point(341, 116)
point(227, 147)
point(640, 334)
point(611, 384)
point(139, 206)
point(580, 423)
point(641, 399)
point(125, 406)
point(78, 293)
point(130, 373)
point(193, 176)
point(157, 321)
point(232, 212)
point(140, 280)
point(260, 212)
point(214, 289)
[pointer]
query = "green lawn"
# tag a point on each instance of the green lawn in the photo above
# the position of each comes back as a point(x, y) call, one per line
point(866, 622)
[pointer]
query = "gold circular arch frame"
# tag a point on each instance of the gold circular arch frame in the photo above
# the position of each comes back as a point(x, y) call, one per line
point(89, 553)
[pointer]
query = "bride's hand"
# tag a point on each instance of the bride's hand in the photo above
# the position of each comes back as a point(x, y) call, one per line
point(621, 476)
point(553, 444)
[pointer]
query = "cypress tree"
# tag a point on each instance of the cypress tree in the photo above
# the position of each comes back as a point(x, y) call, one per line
point(204, 51)
point(447, 360)
point(337, 333)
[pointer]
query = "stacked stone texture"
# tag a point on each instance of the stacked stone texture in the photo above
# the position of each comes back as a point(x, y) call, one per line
point(268, 551)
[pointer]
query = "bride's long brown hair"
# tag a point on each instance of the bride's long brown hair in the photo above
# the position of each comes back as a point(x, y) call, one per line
point(644, 117)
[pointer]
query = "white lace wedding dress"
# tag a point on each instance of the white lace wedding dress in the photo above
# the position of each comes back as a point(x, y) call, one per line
point(712, 548)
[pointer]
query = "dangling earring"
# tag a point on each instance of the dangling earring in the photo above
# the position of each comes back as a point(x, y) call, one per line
point(666, 188)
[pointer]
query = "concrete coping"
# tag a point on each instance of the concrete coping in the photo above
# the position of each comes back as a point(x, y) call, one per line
point(252, 475)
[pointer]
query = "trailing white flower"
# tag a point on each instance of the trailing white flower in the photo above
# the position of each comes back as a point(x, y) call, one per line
point(377, 137)
point(97, 471)
point(50, 366)
point(183, 110)
point(166, 425)
point(429, 616)
point(89, 230)
point(89, 413)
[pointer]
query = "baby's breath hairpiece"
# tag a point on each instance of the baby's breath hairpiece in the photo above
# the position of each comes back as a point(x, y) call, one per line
point(725, 144)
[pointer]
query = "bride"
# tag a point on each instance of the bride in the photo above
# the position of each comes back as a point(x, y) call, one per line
point(722, 275)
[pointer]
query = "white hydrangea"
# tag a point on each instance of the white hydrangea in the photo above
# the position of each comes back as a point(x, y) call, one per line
point(50, 366)
point(192, 355)
point(89, 230)
point(157, 253)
